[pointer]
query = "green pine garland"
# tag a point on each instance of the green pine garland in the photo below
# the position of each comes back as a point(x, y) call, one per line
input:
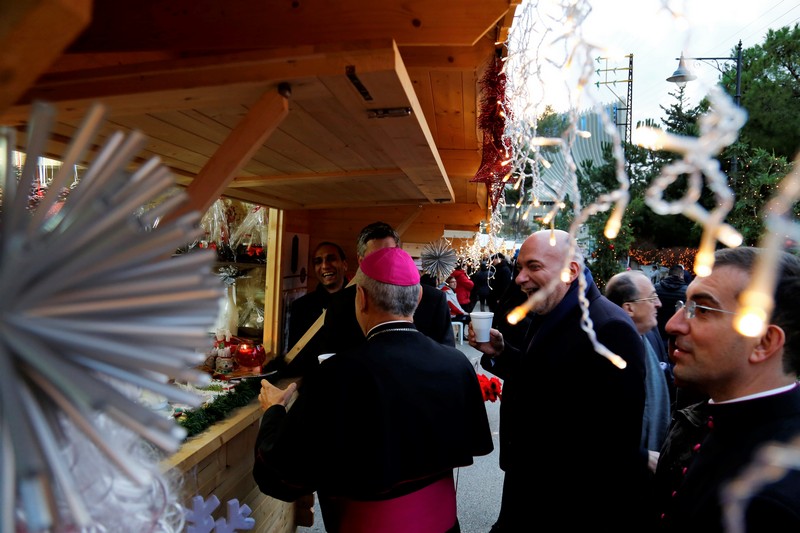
point(198, 420)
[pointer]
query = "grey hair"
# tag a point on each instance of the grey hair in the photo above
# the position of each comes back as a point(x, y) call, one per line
point(394, 299)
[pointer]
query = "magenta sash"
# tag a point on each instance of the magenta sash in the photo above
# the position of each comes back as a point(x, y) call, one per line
point(431, 509)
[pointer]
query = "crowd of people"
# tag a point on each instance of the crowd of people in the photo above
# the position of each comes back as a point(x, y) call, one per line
point(649, 438)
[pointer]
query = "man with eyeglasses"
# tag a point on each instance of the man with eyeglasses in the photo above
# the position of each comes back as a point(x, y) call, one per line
point(753, 400)
point(633, 291)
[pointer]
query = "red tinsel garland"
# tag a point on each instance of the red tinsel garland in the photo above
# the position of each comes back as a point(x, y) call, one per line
point(496, 148)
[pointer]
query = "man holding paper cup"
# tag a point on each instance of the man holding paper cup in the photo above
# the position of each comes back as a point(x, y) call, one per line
point(570, 419)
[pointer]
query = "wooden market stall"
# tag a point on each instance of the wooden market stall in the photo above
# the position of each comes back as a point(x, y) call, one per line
point(330, 113)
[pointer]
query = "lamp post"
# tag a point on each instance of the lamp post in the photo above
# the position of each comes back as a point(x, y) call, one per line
point(683, 75)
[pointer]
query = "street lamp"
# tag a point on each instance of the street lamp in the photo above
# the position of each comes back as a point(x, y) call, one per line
point(683, 74)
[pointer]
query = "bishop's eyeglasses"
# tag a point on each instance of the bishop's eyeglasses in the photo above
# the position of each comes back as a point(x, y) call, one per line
point(690, 309)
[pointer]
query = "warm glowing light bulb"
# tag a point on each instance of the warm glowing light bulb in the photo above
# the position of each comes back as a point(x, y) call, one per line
point(646, 137)
point(583, 134)
point(703, 263)
point(614, 223)
point(536, 202)
point(728, 236)
point(517, 314)
point(545, 163)
point(546, 219)
point(552, 238)
point(565, 275)
point(546, 141)
point(750, 321)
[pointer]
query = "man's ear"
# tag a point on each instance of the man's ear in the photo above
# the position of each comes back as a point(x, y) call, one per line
point(769, 345)
point(419, 299)
point(628, 307)
point(574, 270)
point(361, 299)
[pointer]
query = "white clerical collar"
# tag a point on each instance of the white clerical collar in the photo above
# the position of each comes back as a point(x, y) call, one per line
point(761, 394)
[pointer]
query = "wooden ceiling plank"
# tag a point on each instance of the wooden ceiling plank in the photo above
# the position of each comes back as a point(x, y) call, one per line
point(421, 80)
point(342, 177)
point(441, 191)
point(334, 148)
point(470, 107)
point(33, 33)
point(193, 83)
point(447, 57)
point(193, 24)
point(263, 119)
point(449, 102)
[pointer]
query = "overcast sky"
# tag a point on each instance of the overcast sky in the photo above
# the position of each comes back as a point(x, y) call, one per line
point(656, 39)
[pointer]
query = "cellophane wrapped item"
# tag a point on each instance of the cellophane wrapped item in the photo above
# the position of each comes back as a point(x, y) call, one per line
point(216, 230)
point(251, 315)
point(249, 239)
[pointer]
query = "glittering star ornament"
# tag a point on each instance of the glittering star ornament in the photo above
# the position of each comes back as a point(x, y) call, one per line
point(95, 310)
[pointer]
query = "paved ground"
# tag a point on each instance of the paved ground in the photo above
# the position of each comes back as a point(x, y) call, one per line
point(478, 487)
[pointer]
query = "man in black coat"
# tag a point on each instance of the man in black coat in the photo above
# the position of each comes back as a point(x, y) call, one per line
point(330, 268)
point(501, 279)
point(377, 430)
point(570, 418)
point(715, 446)
point(341, 331)
point(670, 290)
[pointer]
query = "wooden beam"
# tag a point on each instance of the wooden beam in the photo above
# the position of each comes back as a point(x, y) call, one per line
point(33, 33)
point(404, 225)
point(262, 119)
point(197, 82)
point(272, 290)
point(311, 179)
point(469, 58)
point(200, 24)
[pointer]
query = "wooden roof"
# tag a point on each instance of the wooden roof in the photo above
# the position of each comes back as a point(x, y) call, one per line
point(277, 103)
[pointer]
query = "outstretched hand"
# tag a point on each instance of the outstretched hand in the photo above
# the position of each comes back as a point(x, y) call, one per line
point(271, 395)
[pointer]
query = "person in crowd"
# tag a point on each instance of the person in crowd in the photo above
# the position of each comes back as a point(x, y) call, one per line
point(687, 275)
point(457, 313)
point(509, 300)
point(463, 287)
point(570, 419)
point(499, 281)
point(377, 430)
point(633, 291)
point(341, 331)
point(330, 268)
point(670, 290)
point(754, 399)
point(480, 290)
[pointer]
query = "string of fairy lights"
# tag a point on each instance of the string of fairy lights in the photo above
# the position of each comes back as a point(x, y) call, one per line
point(550, 33)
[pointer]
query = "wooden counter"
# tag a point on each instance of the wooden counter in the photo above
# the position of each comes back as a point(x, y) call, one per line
point(219, 461)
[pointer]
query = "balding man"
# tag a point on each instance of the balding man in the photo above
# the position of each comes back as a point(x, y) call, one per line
point(633, 291)
point(377, 430)
point(570, 420)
